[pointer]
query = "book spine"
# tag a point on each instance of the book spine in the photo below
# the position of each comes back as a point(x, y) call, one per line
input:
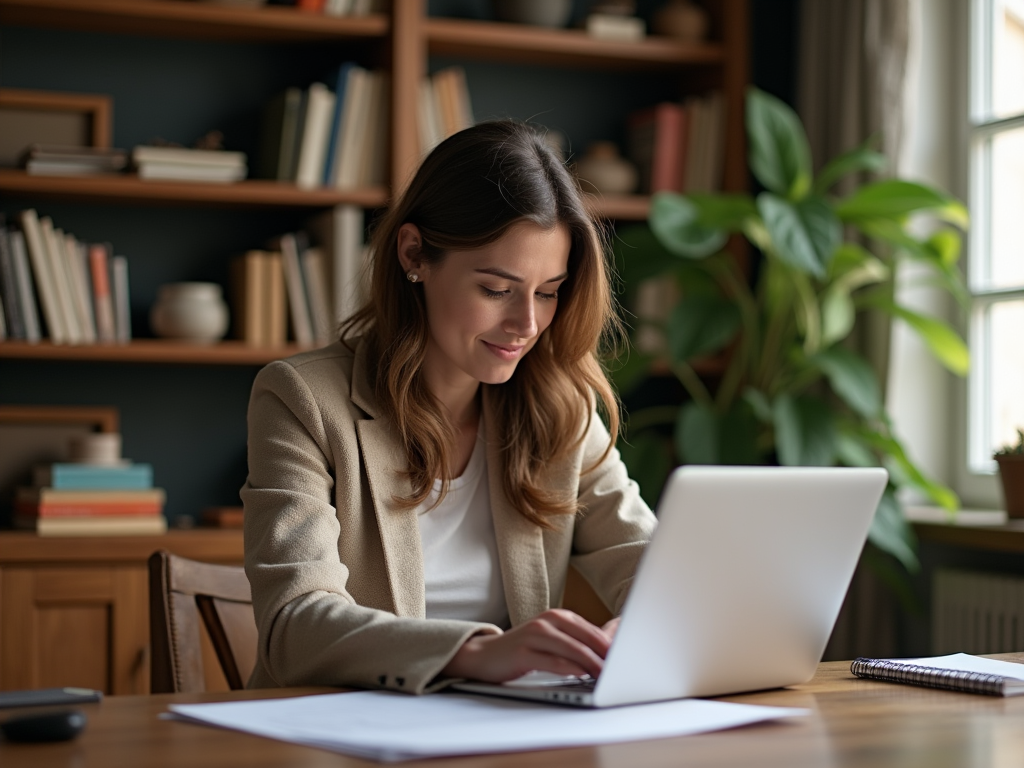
point(43, 276)
point(301, 323)
point(26, 289)
point(277, 315)
point(58, 510)
point(53, 245)
point(79, 281)
point(106, 328)
point(9, 284)
point(69, 477)
point(122, 306)
point(930, 677)
point(315, 135)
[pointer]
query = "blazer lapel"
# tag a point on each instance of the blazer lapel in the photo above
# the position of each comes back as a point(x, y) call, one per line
point(385, 461)
point(520, 542)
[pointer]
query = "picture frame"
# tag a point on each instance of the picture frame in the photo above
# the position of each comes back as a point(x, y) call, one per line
point(54, 118)
point(37, 434)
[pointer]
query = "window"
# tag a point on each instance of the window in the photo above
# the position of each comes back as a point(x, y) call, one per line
point(996, 246)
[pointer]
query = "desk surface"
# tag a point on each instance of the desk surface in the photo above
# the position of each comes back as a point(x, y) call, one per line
point(854, 723)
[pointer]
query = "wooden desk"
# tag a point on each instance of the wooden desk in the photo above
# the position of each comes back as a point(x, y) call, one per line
point(855, 723)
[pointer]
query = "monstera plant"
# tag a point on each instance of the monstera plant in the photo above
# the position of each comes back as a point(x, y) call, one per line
point(793, 390)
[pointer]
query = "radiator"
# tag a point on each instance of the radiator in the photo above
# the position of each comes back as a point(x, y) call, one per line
point(975, 612)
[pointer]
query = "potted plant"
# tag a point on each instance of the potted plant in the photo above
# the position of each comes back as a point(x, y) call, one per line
point(792, 391)
point(1010, 459)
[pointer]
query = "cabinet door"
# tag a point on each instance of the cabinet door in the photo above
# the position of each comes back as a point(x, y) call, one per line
point(82, 626)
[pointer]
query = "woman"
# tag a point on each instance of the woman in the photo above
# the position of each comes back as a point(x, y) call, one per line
point(417, 490)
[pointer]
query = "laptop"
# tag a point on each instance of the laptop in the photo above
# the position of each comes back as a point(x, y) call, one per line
point(737, 591)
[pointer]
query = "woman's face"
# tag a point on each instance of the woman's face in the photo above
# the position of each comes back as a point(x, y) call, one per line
point(487, 307)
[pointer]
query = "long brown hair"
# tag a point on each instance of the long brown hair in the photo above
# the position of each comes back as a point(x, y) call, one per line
point(466, 194)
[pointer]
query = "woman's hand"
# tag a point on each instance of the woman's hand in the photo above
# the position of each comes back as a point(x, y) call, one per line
point(555, 641)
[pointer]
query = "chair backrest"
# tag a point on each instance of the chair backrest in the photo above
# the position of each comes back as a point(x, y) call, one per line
point(181, 593)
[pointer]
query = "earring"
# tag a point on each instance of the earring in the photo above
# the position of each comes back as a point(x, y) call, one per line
point(413, 277)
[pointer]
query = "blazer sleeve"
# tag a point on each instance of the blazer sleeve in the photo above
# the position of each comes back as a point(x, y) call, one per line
point(311, 631)
point(614, 523)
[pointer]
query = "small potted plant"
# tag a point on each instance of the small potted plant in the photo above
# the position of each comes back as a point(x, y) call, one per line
point(1011, 471)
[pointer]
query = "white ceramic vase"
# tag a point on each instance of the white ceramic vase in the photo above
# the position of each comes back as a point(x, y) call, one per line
point(190, 311)
point(603, 170)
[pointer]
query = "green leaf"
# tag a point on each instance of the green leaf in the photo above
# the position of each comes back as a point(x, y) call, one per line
point(904, 472)
point(862, 158)
point(854, 452)
point(697, 434)
point(629, 370)
point(804, 235)
point(640, 255)
point(648, 458)
point(723, 211)
point(675, 221)
point(942, 340)
point(701, 324)
point(837, 315)
point(891, 532)
point(759, 404)
point(738, 431)
point(852, 378)
point(779, 154)
point(896, 199)
point(805, 432)
point(946, 244)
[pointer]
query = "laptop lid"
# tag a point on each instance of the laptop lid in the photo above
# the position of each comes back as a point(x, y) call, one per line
point(742, 583)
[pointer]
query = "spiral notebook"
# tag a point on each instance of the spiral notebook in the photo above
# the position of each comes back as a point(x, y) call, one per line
point(957, 672)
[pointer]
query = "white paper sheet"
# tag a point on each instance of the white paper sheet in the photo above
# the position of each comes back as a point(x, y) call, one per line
point(387, 726)
point(964, 662)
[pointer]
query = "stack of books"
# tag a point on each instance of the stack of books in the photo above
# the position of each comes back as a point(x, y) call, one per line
point(50, 160)
point(679, 147)
point(319, 137)
point(309, 280)
point(71, 499)
point(52, 284)
point(180, 164)
point(338, 7)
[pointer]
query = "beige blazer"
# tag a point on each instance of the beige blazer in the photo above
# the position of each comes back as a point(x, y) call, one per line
point(335, 565)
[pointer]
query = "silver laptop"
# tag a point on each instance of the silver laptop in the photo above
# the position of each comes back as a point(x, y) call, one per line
point(738, 590)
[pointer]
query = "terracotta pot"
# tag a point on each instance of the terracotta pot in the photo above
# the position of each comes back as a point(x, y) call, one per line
point(1011, 472)
point(682, 20)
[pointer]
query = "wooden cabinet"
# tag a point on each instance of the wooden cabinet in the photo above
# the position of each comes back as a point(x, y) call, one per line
point(74, 612)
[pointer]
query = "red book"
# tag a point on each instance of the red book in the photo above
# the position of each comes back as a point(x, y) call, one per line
point(316, 6)
point(656, 142)
point(91, 509)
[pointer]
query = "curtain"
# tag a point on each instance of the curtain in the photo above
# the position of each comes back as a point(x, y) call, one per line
point(852, 65)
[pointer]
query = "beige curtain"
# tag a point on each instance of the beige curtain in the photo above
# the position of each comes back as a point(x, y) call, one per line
point(852, 66)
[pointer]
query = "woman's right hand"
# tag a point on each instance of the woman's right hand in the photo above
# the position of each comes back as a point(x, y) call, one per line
point(557, 641)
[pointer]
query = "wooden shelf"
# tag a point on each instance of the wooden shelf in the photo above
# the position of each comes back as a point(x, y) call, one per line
point(211, 545)
point(523, 44)
point(620, 207)
point(1008, 537)
point(133, 190)
point(178, 18)
point(149, 351)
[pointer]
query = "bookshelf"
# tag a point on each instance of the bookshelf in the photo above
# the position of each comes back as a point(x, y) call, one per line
point(406, 41)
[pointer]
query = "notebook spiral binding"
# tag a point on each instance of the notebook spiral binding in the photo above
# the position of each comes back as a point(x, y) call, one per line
point(947, 679)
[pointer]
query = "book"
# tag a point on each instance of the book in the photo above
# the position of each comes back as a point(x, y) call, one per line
point(27, 509)
point(957, 672)
point(56, 160)
point(102, 298)
point(44, 280)
point(121, 300)
point(353, 127)
point(53, 245)
point(340, 90)
point(302, 325)
point(340, 232)
point(191, 172)
point(431, 130)
point(316, 132)
point(276, 318)
point(374, 154)
point(182, 156)
point(12, 313)
point(123, 525)
point(72, 476)
point(26, 289)
point(248, 297)
point(224, 517)
point(655, 139)
point(81, 290)
point(277, 135)
point(314, 277)
point(85, 496)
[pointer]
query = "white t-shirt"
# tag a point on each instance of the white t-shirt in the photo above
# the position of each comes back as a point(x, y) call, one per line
point(461, 571)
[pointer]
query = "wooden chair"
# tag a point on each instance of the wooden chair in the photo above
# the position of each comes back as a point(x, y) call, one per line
point(181, 591)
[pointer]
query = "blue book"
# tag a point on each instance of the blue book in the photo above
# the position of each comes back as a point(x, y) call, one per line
point(335, 136)
point(69, 476)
